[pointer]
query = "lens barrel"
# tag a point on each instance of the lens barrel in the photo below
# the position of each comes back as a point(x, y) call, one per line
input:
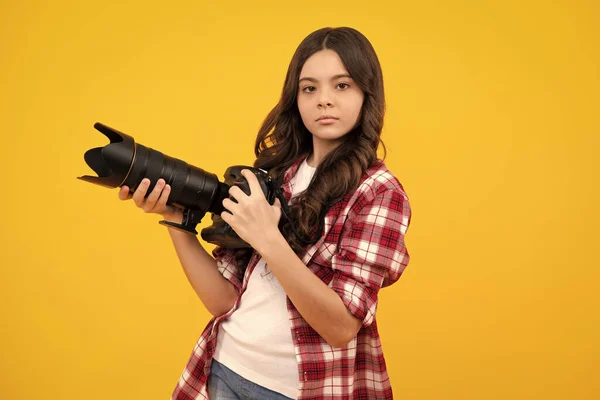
point(126, 163)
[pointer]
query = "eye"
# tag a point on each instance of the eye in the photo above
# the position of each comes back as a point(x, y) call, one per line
point(309, 89)
point(343, 85)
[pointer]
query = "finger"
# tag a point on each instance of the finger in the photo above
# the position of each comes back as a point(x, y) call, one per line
point(164, 197)
point(227, 217)
point(231, 206)
point(124, 193)
point(154, 195)
point(140, 192)
point(237, 193)
point(255, 188)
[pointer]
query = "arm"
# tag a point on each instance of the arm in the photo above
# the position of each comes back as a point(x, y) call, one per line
point(318, 304)
point(216, 293)
point(371, 254)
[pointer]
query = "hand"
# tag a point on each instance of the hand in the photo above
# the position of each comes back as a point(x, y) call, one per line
point(156, 202)
point(252, 217)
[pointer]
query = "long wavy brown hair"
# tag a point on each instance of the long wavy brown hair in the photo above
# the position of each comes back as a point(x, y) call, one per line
point(283, 138)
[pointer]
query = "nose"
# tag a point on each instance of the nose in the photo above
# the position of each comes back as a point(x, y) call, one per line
point(324, 99)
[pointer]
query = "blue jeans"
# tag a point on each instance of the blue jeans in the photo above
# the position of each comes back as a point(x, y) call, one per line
point(224, 384)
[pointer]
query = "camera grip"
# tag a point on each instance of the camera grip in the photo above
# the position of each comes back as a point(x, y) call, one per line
point(234, 177)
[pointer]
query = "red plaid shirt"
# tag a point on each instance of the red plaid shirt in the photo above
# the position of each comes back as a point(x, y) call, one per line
point(361, 250)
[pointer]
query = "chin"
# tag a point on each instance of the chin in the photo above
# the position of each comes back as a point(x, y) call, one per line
point(325, 132)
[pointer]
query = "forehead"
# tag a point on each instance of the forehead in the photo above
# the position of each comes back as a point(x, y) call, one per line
point(323, 64)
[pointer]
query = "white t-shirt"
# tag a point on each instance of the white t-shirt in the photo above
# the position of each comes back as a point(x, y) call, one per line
point(256, 340)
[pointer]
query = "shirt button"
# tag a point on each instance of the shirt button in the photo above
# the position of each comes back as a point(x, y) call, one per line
point(305, 376)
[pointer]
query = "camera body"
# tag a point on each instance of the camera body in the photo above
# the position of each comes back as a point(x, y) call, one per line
point(221, 233)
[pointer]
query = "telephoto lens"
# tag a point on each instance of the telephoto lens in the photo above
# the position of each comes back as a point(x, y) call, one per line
point(124, 162)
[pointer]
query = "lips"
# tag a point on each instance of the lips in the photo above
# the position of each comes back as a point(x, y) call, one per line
point(326, 118)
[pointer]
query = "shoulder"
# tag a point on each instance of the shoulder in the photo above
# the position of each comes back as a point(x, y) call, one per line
point(379, 194)
point(378, 181)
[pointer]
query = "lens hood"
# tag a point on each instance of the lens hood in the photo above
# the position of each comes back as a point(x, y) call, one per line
point(112, 162)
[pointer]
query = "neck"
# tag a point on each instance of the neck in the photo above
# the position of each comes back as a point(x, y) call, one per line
point(320, 151)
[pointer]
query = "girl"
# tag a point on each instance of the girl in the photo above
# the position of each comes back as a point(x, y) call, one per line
point(294, 317)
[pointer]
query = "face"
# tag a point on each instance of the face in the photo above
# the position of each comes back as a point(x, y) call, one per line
point(328, 99)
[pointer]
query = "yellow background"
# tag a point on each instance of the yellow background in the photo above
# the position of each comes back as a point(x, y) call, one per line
point(492, 127)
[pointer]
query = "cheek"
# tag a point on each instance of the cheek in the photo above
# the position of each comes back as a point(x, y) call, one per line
point(357, 107)
point(303, 109)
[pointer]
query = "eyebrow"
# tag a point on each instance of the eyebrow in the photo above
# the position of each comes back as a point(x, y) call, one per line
point(307, 78)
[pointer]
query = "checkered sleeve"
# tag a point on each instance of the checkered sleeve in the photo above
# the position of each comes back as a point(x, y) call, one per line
point(226, 264)
point(371, 253)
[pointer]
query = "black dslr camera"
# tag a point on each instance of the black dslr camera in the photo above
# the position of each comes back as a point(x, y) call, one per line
point(124, 162)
